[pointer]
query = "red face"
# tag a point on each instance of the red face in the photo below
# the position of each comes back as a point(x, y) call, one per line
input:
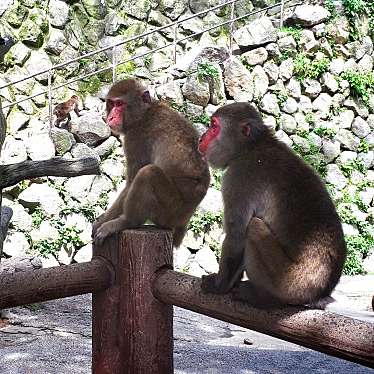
point(115, 110)
point(212, 133)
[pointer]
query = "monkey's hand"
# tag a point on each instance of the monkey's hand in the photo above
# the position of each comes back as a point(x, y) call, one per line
point(213, 283)
point(102, 232)
point(98, 222)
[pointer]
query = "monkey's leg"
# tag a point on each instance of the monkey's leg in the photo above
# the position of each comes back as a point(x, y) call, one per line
point(151, 196)
point(265, 263)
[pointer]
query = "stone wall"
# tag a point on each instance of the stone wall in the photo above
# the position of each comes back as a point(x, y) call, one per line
point(311, 80)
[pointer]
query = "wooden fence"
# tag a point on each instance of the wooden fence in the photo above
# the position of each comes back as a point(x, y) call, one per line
point(134, 289)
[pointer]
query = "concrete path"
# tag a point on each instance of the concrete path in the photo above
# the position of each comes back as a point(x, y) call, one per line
point(55, 338)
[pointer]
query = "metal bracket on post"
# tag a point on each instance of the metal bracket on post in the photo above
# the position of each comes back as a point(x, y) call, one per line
point(50, 74)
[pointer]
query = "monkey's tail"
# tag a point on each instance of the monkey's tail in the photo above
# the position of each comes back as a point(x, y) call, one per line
point(178, 235)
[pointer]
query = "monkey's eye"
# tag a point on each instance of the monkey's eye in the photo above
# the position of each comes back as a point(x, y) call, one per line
point(118, 103)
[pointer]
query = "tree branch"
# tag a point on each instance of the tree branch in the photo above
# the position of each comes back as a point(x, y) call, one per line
point(57, 167)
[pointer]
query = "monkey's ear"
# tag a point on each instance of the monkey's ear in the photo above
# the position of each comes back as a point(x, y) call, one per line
point(146, 97)
point(246, 128)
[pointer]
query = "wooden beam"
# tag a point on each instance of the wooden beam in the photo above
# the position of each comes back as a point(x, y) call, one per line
point(133, 331)
point(322, 331)
point(53, 283)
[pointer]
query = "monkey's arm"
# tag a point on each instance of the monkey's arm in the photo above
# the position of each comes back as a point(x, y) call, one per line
point(231, 262)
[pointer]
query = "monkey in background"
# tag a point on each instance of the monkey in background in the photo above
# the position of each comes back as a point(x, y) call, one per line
point(62, 110)
point(280, 222)
point(166, 175)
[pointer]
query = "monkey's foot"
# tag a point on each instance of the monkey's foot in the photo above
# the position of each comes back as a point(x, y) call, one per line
point(212, 284)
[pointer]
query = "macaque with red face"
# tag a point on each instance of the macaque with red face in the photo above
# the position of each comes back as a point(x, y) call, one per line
point(62, 110)
point(280, 222)
point(166, 175)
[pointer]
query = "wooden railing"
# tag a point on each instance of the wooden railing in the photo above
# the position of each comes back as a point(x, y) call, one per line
point(134, 289)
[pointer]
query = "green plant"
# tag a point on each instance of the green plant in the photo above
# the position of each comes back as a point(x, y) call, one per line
point(37, 217)
point(216, 179)
point(304, 67)
point(201, 222)
point(331, 7)
point(125, 69)
point(203, 118)
point(348, 167)
point(361, 84)
point(353, 263)
point(205, 71)
point(310, 118)
point(281, 96)
point(148, 60)
point(325, 132)
point(91, 86)
point(354, 9)
point(294, 31)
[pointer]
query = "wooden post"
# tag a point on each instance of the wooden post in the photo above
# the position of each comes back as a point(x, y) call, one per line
point(132, 331)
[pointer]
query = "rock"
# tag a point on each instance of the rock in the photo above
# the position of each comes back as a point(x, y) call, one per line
point(170, 92)
point(349, 229)
point(181, 258)
point(309, 15)
point(42, 195)
point(256, 56)
point(288, 123)
point(206, 258)
point(367, 159)
point(271, 69)
point(36, 151)
point(62, 140)
point(90, 129)
point(336, 66)
point(366, 64)
point(101, 185)
point(269, 121)
point(20, 53)
point(347, 139)
point(78, 187)
point(293, 88)
point(368, 263)
point(196, 90)
point(307, 42)
point(273, 51)
point(217, 87)
point(357, 106)
point(283, 137)
point(16, 244)
point(195, 269)
point(38, 61)
point(82, 150)
point(58, 13)
point(256, 33)
point(312, 88)
point(56, 42)
point(81, 224)
point(360, 127)
point(84, 254)
point(286, 69)
point(193, 241)
point(93, 103)
point(21, 220)
point(210, 109)
point(260, 82)
point(290, 106)
point(344, 119)
point(287, 44)
point(107, 146)
point(346, 157)
point(335, 177)
point(138, 8)
point(212, 202)
point(359, 48)
point(16, 120)
point(330, 82)
point(338, 30)
point(302, 124)
point(13, 151)
point(172, 8)
point(46, 231)
point(20, 264)
point(322, 104)
point(350, 65)
point(269, 104)
point(238, 80)
point(194, 110)
point(305, 104)
point(331, 149)
point(113, 168)
point(302, 143)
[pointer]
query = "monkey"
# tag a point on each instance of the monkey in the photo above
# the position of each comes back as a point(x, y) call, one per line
point(62, 110)
point(166, 175)
point(281, 225)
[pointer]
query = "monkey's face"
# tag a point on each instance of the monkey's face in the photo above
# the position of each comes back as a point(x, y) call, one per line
point(116, 108)
point(216, 144)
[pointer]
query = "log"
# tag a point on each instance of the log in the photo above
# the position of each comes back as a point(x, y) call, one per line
point(322, 331)
point(57, 167)
point(133, 331)
point(54, 283)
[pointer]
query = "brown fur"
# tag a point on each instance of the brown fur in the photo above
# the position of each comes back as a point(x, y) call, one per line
point(281, 224)
point(62, 110)
point(166, 176)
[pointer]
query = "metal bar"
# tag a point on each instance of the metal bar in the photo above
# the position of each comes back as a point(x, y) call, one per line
point(281, 14)
point(175, 42)
point(54, 283)
point(89, 54)
point(114, 63)
point(322, 331)
point(50, 97)
point(132, 332)
point(232, 13)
